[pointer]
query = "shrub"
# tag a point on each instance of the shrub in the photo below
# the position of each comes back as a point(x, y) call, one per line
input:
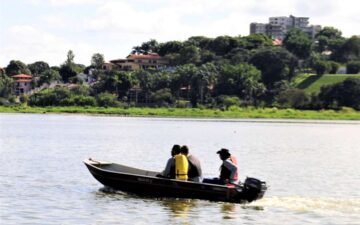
point(162, 97)
point(49, 97)
point(24, 98)
point(84, 100)
point(107, 100)
point(346, 93)
point(293, 98)
point(81, 90)
point(4, 101)
point(322, 67)
point(334, 66)
point(78, 100)
point(227, 101)
point(353, 67)
point(67, 102)
point(182, 104)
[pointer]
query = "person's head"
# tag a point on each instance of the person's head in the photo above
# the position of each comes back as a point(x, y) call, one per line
point(184, 150)
point(223, 153)
point(175, 150)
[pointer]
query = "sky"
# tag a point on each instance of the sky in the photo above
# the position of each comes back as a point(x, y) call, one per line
point(45, 30)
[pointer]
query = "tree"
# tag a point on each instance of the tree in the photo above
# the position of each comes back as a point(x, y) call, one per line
point(321, 67)
point(162, 97)
point(190, 54)
point(181, 79)
point(49, 97)
point(353, 67)
point(70, 58)
point(275, 64)
point(16, 67)
point(328, 39)
point(298, 43)
point(107, 100)
point(293, 98)
point(38, 67)
point(350, 50)
point(147, 47)
point(145, 79)
point(201, 81)
point(161, 80)
point(69, 68)
point(170, 47)
point(242, 80)
point(329, 32)
point(124, 81)
point(334, 66)
point(346, 93)
point(5, 85)
point(48, 76)
point(226, 102)
point(81, 90)
point(97, 60)
point(255, 41)
point(199, 41)
point(223, 44)
point(67, 71)
point(208, 56)
point(239, 55)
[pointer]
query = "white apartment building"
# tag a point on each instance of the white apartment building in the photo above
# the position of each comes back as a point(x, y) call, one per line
point(279, 26)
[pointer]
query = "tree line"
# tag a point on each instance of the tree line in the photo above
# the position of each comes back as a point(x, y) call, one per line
point(208, 72)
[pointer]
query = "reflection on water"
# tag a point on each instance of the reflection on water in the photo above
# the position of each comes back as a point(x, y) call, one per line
point(228, 210)
point(312, 204)
point(179, 207)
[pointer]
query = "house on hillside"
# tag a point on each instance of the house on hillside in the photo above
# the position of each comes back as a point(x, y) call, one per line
point(108, 66)
point(86, 78)
point(22, 84)
point(140, 61)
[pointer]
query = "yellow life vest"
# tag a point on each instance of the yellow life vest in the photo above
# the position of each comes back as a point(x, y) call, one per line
point(181, 167)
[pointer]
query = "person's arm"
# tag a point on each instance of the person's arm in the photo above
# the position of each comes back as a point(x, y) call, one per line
point(167, 169)
point(232, 167)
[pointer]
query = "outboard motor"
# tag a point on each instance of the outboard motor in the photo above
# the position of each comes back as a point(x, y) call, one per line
point(254, 189)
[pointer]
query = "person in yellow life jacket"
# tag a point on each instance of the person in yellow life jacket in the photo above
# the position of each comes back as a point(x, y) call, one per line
point(181, 167)
point(194, 173)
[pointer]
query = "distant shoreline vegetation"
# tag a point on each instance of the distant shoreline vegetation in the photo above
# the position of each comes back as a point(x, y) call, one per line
point(254, 71)
point(232, 112)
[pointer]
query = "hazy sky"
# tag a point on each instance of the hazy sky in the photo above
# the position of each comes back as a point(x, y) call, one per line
point(34, 30)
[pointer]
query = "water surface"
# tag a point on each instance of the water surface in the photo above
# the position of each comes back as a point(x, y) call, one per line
point(312, 169)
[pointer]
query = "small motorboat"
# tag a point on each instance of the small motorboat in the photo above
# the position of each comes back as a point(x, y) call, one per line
point(143, 182)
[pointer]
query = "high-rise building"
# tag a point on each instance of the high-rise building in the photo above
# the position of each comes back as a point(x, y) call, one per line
point(279, 26)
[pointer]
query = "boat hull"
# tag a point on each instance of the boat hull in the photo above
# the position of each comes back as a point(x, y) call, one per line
point(150, 185)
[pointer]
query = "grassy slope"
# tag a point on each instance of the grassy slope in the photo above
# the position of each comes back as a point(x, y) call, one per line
point(235, 112)
point(312, 83)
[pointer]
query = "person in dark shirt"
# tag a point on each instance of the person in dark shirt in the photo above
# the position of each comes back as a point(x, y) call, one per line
point(169, 171)
point(228, 169)
point(194, 173)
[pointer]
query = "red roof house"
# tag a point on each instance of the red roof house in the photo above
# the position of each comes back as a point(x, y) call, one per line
point(22, 83)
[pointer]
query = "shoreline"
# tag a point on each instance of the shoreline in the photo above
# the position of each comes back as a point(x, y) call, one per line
point(244, 114)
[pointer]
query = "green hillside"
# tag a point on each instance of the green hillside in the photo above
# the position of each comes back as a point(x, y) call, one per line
point(312, 83)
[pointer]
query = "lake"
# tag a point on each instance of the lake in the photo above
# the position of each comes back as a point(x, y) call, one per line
point(312, 168)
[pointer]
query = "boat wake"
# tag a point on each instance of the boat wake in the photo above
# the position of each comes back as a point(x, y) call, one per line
point(349, 206)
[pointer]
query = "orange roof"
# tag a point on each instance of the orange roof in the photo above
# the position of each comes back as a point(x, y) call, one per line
point(23, 81)
point(22, 76)
point(277, 42)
